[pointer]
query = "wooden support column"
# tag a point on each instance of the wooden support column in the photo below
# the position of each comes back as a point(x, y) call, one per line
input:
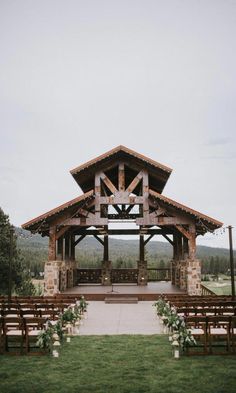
point(67, 247)
point(52, 244)
point(145, 195)
point(106, 246)
point(175, 253)
point(185, 247)
point(179, 247)
point(60, 248)
point(97, 196)
point(142, 264)
point(72, 247)
point(192, 242)
point(141, 248)
point(121, 177)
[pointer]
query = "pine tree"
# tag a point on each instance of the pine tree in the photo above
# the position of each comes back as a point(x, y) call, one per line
point(21, 280)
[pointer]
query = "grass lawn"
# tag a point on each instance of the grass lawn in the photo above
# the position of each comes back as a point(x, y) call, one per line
point(117, 364)
point(219, 287)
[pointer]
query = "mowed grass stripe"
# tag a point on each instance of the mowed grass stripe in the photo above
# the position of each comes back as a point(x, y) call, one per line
point(117, 364)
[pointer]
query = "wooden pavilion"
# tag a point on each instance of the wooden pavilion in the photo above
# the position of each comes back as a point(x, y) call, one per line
point(121, 185)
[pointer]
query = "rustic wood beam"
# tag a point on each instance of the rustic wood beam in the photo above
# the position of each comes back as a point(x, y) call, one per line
point(129, 208)
point(148, 239)
point(183, 231)
point(79, 240)
point(121, 200)
point(141, 247)
point(97, 190)
point(62, 231)
point(98, 239)
point(72, 247)
point(67, 247)
point(86, 213)
point(52, 244)
point(161, 221)
point(192, 242)
point(157, 213)
point(108, 183)
point(106, 246)
point(86, 222)
point(121, 176)
point(60, 248)
point(116, 207)
point(167, 238)
point(135, 182)
point(91, 232)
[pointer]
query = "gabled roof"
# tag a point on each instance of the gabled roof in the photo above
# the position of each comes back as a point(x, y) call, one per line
point(36, 223)
point(204, 223)
point(158, 173)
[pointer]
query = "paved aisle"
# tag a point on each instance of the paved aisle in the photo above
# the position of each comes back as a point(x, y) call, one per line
point(111, 319)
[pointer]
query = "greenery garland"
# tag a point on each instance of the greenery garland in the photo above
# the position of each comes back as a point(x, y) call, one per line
point(175, 323)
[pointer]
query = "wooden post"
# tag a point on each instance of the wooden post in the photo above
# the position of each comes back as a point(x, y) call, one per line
point(185, 247)
point(106, 246)
point(67, 247)
point(192, 242)
point(121, 177)
point(60, 253)
point(141, 248)
point(175, 247)
point(97, 196)
point(179, 247)
point(145, 194)
point(72, 247)
point(52, 244)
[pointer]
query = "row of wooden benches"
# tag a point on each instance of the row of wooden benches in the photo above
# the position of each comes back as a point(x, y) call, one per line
point(19, 335)
point(212, 333)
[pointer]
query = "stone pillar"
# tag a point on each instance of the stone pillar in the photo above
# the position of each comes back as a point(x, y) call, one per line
point(51, 277)
point(63, 276)
point(193, 277)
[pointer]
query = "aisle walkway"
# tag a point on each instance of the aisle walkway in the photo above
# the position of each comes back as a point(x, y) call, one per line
point(112, 319)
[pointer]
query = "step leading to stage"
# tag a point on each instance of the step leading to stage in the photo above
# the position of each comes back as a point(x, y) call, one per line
point(120, 300)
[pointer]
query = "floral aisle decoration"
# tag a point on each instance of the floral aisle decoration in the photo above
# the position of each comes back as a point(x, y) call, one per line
point(68, 323)
point(179, 334)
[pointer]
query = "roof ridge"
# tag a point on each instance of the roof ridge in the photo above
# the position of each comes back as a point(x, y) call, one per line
point(116, 150)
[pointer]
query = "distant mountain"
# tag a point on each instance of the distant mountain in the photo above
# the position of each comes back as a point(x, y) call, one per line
point(90, 246)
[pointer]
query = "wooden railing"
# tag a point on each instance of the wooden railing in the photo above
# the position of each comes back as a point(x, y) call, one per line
point(206, 291)
point(89, 276)
point(94, 276)
point(124, 276)
point(159, 274)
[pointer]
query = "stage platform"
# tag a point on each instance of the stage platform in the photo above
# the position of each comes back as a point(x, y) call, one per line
point(147, 292)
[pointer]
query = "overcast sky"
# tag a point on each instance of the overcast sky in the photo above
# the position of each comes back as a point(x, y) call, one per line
point(78, 78)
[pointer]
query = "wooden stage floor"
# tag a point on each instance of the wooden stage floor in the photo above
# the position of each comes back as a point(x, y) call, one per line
point(147, 292)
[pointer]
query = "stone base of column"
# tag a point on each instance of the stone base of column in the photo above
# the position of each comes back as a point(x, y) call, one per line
point(51, 278)
point(193, 277)
point(106, 273)
point(142, 273)
point(58, 276)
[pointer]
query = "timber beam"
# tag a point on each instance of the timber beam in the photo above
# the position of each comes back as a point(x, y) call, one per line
point(92, 232)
